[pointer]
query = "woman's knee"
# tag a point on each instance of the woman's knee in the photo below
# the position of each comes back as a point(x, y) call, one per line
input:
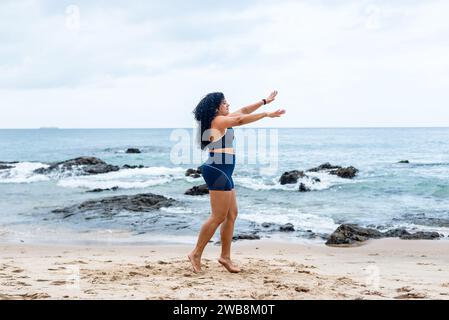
point(218, 218)
point(232, 214)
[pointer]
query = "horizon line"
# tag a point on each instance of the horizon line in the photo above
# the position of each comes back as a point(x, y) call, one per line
point(287, 127)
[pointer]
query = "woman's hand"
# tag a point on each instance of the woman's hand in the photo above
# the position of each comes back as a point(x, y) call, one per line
point(272, 96)
point(276, 113)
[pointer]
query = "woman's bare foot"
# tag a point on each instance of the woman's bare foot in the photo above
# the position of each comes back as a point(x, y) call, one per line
point(195, 261)
point(228, 265)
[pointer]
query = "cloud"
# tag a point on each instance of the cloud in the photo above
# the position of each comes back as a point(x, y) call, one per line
point(350, 63)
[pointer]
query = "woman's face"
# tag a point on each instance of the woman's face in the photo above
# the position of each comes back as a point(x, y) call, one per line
point(223, 110)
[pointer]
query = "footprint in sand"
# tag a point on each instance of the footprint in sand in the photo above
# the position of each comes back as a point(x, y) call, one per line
point(372, 293)
point(18, 270)
point(56, 269)
point(135, 274)
point(345, 280)
point(301, 270)
point(25, 296)
point(411, 295)
point(76, 262)
point(405, 289)
point(23, 284)
point(301, 289)
point(90, 291)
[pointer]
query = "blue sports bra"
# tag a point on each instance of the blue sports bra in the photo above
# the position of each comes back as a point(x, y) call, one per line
point(226, 141)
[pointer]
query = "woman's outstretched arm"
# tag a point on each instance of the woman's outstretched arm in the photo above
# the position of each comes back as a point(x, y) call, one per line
point(253, 107)
point(242, 119)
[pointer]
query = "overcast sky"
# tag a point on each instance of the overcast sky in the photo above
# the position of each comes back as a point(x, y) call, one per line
point(140, 64)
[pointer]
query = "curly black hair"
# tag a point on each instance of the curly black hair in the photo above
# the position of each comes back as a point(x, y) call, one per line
point(205, 112)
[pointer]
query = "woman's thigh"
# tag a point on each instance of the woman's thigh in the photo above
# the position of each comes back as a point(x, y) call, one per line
point(220, 202)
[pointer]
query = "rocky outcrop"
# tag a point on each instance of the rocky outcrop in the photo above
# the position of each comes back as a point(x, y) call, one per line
point(133, 150)
point(7, 164)
point(421, 235)
point(110, 206)
point(347, 173)
point(288, 227)
point(395, 233)
point(342, 172)
point(403, 161)
point(101, 190)
point(267, 224)
point(303, 188)
point(246, 236)
point(291, 176)
point(82, 165)
point(350, 234)
point(324, 166)
point(194, 173)
point(127, 166)
point(197, 190)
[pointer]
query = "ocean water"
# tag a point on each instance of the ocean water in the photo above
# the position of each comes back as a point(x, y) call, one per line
point(384, 194)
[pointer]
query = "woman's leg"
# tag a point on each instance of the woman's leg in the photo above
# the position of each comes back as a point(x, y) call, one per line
point(226, 232)
point(220, 202)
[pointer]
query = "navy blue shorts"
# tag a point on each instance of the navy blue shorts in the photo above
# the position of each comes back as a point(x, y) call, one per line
point(217, 171)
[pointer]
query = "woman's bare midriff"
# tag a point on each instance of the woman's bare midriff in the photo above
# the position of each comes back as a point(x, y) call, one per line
point(223, 150)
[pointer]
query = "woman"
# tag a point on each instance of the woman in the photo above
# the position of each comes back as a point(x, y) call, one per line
point(216, 133)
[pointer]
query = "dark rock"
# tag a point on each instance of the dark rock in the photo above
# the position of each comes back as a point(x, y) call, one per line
point(348, 234)
point(267, 224)
point(303, 188)
point(395, 233)
point(421, 235)
point(315, 180)
point(127, 166)
point(85, 166)
point(133, 150)
point(403, 161)
point(291, 176)
point(4, 167)
point(194, 173)
point(101, 190)
point(241, 236)
point(110, 206)
point(99, 169)
point(324, 166)
point(246, 236)
point(197, 190)
point(347, 173)
point(288, 227)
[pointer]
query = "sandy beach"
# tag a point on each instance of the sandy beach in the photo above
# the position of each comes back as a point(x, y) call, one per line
point(379, 269)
